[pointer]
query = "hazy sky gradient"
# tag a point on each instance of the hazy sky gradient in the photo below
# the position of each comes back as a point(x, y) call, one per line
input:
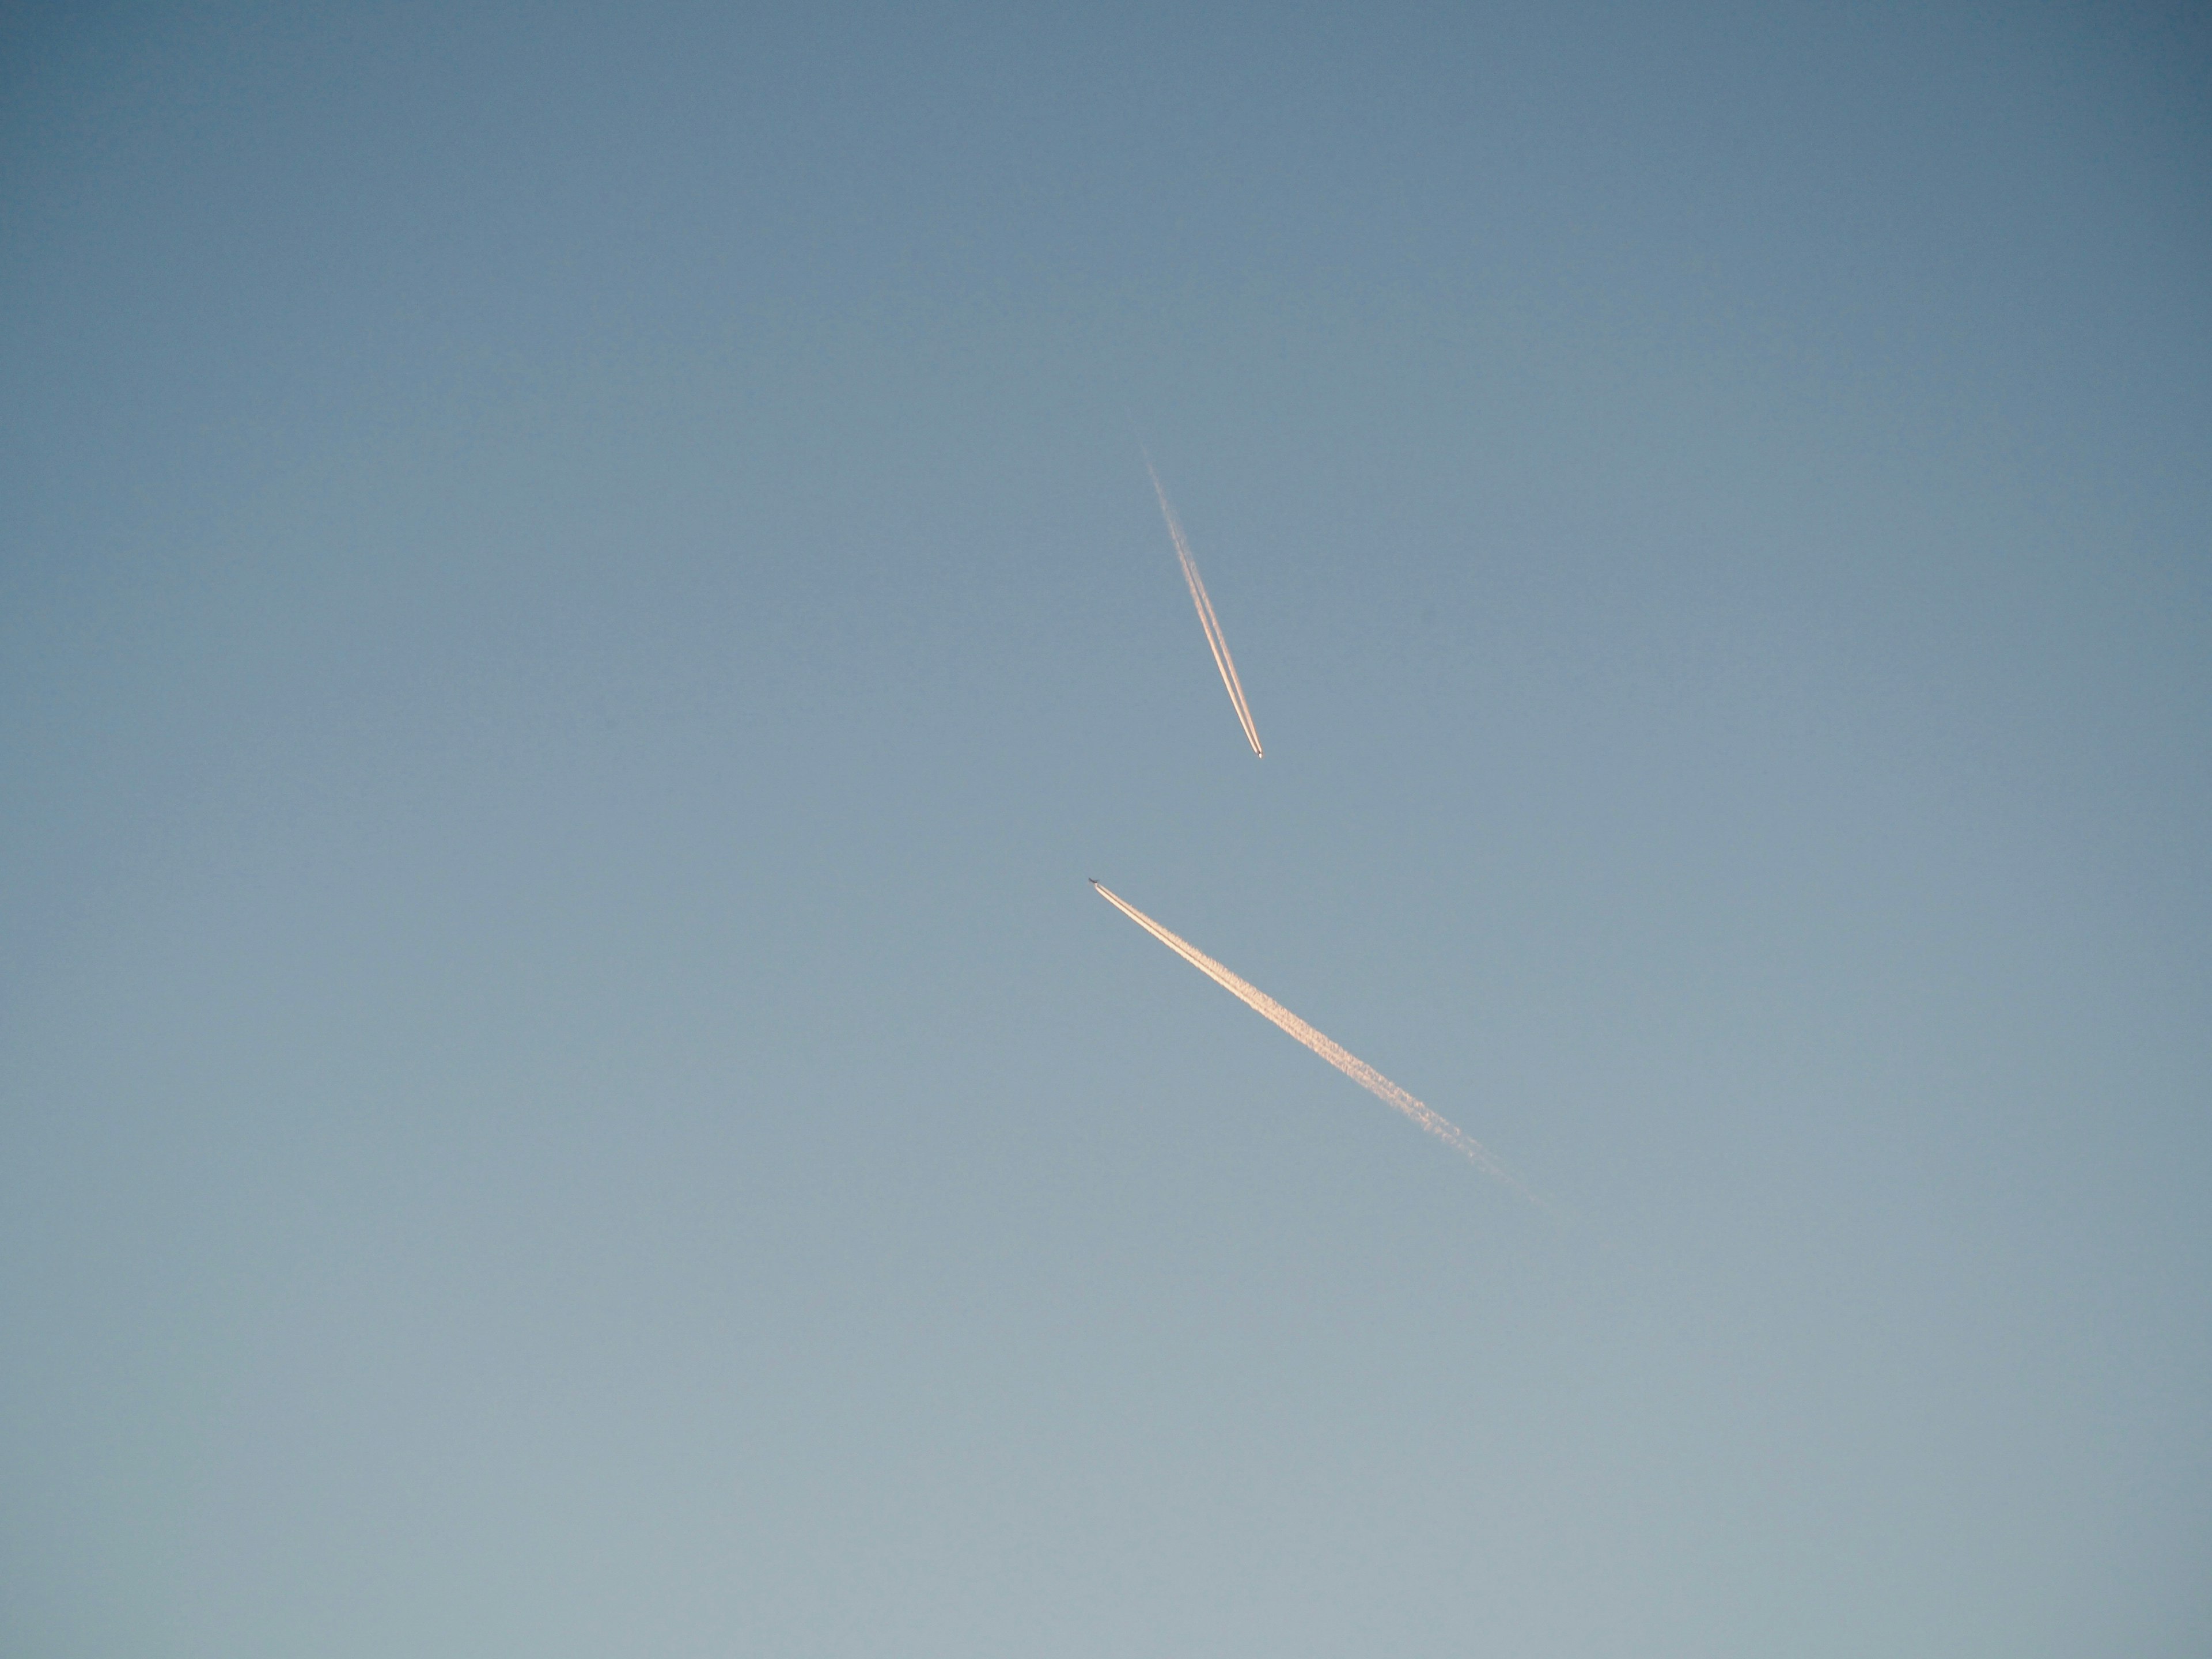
point(581, 598)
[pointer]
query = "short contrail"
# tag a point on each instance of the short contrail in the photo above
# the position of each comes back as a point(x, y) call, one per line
point(1206, 619)
point(1357, 1070)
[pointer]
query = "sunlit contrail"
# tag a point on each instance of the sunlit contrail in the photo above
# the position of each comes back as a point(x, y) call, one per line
point(1206, 619)
point(1357, 1070)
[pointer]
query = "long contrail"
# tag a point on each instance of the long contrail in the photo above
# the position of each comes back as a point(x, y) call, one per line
point(1357, 1070)
point(1206, 619)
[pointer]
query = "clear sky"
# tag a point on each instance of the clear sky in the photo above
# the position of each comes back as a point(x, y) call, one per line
point(580, 597)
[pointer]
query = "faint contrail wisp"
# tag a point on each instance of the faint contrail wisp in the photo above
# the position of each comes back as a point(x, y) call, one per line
point(1357, 1070)
point(1206, 619)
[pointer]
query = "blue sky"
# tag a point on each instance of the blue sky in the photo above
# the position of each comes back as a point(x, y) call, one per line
point(581, 598)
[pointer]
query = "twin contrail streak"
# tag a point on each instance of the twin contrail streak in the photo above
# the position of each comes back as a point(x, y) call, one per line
point(1206, 619)
point(1357, 1070)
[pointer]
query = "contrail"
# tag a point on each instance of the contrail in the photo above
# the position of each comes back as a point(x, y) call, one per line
point(1357, 1070)
point(1206, 619)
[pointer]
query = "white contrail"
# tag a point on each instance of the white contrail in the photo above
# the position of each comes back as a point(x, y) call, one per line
point(1206, 619)
point(1357, 1070)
